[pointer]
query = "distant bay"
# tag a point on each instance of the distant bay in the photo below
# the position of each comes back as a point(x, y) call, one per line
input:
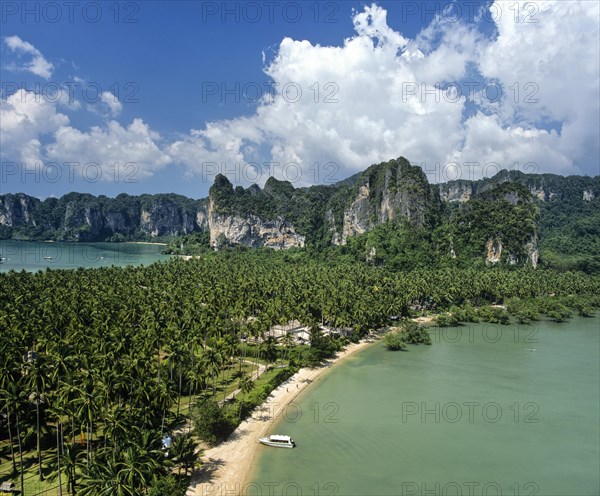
point(33, 256)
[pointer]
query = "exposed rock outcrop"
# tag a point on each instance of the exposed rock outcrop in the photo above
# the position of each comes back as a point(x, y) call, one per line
point(356, 217)
point(458, 191)
point(496, 253)
point(495, 218)
point(16, 209)
point(251, 230)
point(165, 218)
point(83, 217)
point(387, 192)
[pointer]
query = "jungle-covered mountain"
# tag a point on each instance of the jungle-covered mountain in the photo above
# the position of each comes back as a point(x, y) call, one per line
point(388, 214)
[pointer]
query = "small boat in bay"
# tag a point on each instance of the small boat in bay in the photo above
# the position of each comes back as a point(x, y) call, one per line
point(278, 441)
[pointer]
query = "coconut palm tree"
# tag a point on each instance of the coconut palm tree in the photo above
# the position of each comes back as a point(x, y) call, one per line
point(183, 453)
point(12, 401)
point(246, 385)
point(70, 465)
point(37, 380)
point(212, 360)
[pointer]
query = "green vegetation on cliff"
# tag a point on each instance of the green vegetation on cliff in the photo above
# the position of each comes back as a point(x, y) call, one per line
point(387, 215)
point(84, 217)
point(302, 207)
point(505, 214)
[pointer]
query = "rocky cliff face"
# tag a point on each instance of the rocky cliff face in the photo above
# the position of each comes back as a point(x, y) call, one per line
point(78, 217)
point(386, 192)
point(16, 210)
point(496, 219)
point(278, 216)
point(165, 218)
point(356, 217)
point(250, 230)
point(543, 187)
point(495, 252)
point(457, 191)
point(87, 218)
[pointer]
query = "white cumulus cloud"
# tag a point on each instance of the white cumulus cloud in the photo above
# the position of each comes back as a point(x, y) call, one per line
point(549, 69)
point(131, 151)
point(36, 64)
point(380, 95)
point(24, 118)
point(112, 102)
point(33, 131)
point(352, 105)
point(375, 96)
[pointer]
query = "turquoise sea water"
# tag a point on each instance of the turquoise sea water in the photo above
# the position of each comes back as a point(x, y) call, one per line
point(476, 413)
point(33, 256)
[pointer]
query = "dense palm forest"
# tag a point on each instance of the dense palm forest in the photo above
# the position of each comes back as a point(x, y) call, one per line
point(98, 365)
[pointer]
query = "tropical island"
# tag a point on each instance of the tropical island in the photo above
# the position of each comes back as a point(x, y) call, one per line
point(118, 380)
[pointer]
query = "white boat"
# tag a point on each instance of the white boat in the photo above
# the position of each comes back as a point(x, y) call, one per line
point(278, 441)
point(2, 259)
point(47, 258)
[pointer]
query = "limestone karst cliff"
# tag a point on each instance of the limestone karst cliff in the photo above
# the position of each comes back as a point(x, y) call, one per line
point(503, 219)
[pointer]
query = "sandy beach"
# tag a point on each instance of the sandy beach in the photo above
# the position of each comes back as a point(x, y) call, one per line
point(226, 467)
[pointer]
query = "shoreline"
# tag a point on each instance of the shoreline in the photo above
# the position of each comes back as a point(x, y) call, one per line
point(227, 467)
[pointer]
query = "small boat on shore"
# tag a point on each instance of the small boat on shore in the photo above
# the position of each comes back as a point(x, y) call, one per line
point(278, 441)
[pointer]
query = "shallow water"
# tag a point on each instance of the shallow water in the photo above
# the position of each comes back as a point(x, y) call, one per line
point(34, 256)
point(475, 413)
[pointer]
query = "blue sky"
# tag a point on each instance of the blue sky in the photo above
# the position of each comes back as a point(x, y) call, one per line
point(154, 97)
